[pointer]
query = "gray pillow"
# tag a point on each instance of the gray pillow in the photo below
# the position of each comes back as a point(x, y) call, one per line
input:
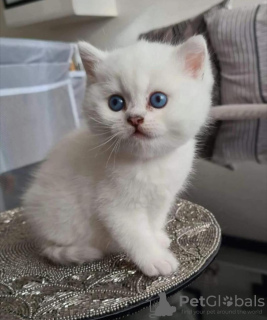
point(239, 38)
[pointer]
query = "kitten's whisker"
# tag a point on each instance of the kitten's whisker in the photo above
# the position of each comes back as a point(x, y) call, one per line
point(100, 128)
point(116, 150)
point(100, 134)
point(105, 142)
point(100, 122)
point(111, 152)
point(110, 145)
point(115, 153)
point(96, 120)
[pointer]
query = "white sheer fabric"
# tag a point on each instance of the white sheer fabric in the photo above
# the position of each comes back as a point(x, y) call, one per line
point(37, 99)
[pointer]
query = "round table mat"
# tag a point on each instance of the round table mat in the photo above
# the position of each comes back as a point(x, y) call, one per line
point(31, 287)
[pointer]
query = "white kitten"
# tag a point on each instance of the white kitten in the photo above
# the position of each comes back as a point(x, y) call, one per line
point(110, 189)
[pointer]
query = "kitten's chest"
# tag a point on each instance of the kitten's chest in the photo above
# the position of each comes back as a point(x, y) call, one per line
point(145, 184)
point(149, 180)
point(149, 185)
point(153, 175)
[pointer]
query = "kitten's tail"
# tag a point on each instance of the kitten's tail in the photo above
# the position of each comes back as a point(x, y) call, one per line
point(71, 254)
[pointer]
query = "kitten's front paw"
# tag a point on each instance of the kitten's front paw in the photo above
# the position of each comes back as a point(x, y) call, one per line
point(161, 264)
point(163, 239)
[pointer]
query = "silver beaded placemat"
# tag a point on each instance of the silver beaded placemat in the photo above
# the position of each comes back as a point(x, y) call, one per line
point(33, 288)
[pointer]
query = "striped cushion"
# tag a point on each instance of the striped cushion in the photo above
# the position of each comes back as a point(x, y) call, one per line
point(239, 38)
point(240, 141)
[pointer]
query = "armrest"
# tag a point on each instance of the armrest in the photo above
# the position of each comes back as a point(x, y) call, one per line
point(239, 112)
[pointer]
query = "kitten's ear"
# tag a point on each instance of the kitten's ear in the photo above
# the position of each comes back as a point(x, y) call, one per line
point(90, 56)
point(194, 53)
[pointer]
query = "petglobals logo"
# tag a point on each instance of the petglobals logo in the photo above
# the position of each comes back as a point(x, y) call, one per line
point(216, 305)
point(219, 301)
point(228, 301)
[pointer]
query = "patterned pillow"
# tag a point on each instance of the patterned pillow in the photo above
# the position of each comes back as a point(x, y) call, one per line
point(179, 32)
point(239, 38)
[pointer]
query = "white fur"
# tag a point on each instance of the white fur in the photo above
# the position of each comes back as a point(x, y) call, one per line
point(105, 190)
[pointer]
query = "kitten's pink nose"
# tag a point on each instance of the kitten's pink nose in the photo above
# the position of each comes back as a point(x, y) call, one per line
point(135, 121)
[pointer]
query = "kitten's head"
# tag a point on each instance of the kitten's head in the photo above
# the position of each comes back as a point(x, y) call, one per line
point(152, 97)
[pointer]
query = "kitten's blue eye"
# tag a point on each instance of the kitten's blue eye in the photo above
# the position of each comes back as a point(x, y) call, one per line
point(116, 103)
point(158, 100)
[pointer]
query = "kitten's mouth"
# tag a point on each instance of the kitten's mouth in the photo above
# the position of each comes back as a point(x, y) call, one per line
point(140, 134)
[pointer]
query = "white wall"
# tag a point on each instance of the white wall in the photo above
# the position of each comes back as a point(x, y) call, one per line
point(239, 198)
